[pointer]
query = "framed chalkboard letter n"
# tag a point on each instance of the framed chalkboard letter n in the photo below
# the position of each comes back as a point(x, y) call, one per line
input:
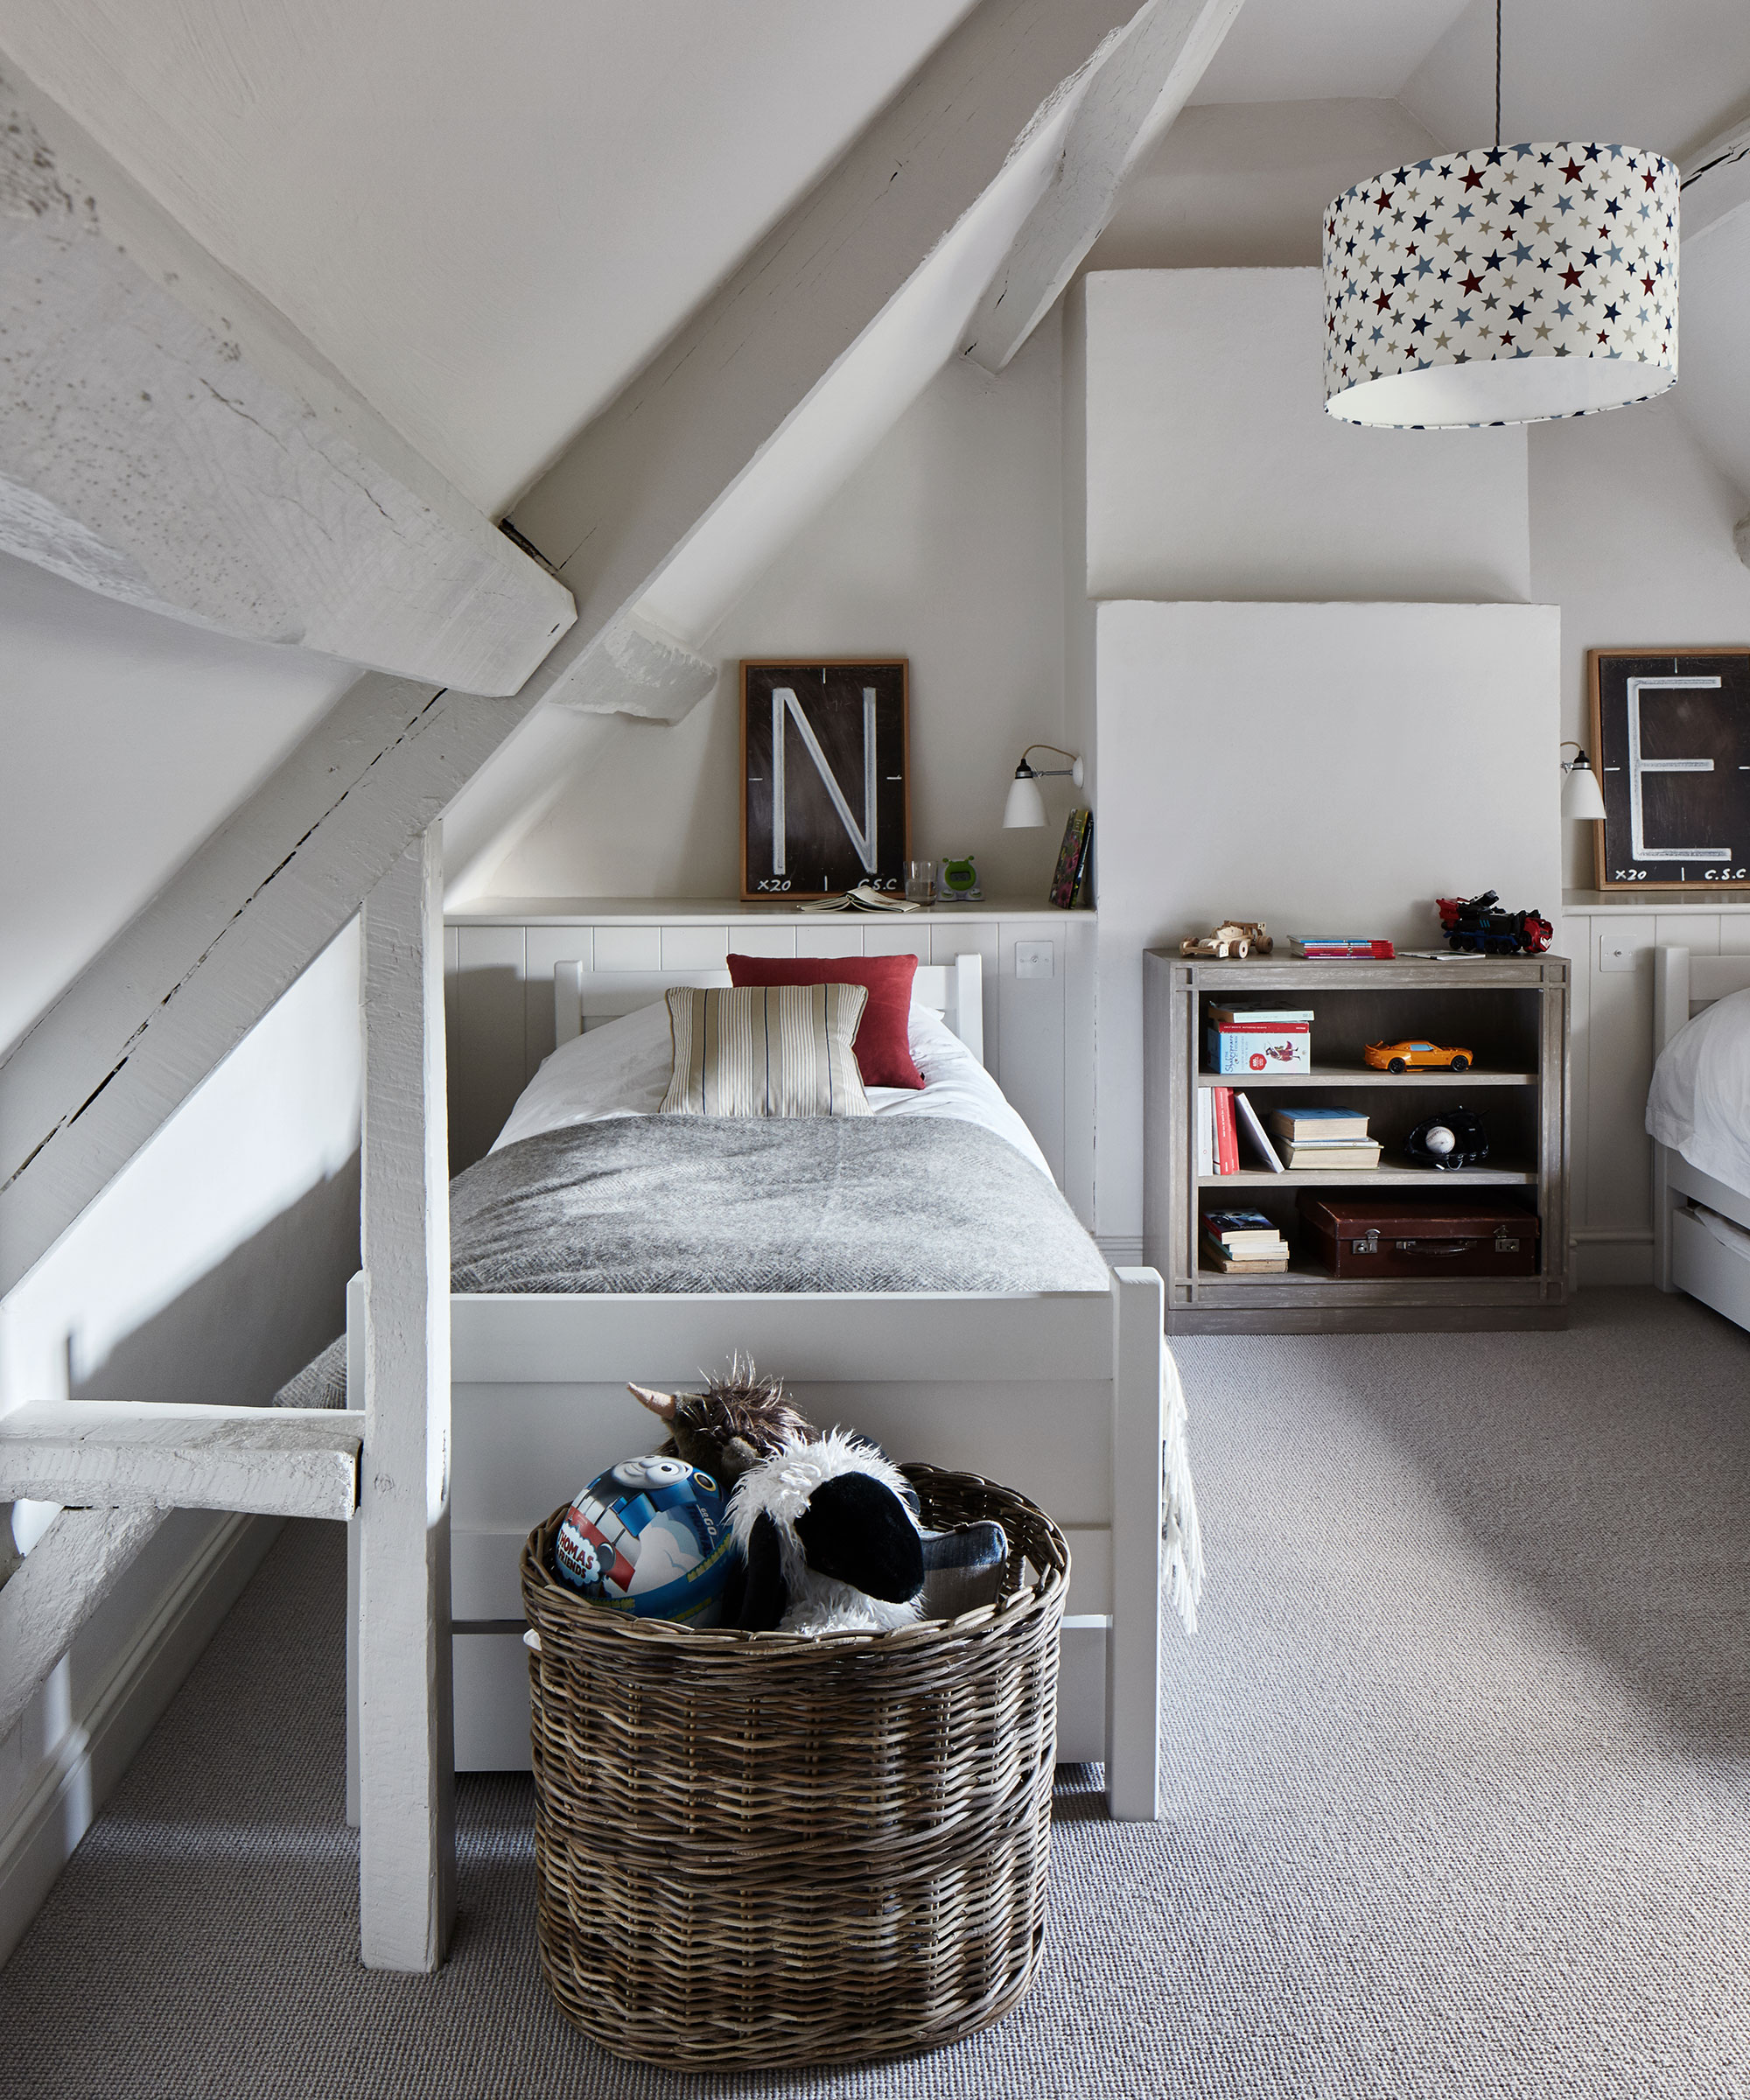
point(826, 800)
point(1671, 741)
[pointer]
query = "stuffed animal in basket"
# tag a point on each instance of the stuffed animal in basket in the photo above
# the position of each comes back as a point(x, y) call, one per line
point(737, 1421)
point(829, 1533)
point(649, 1537)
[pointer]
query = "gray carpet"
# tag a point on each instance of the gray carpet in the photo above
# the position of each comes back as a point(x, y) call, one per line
point(1457, 1796)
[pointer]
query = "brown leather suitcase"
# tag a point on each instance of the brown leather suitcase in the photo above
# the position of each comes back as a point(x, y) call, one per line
point(1418, 1232)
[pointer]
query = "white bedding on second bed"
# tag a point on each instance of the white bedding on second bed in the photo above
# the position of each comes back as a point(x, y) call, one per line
point(622, 1068)
point(1699, 1104)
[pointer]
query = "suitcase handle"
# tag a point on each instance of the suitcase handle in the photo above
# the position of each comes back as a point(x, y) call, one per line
point(1437, 1247)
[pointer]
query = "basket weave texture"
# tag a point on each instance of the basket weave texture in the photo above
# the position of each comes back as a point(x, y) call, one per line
point(764, 1849)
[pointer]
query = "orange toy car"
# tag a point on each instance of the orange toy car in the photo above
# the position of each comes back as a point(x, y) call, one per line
point(1406, 1057)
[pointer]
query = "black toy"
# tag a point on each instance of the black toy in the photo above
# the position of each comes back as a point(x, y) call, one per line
point(1478, 925)
point(1455, 1137)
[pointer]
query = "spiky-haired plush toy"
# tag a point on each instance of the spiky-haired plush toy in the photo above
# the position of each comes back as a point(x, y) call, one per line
point(737, 1421)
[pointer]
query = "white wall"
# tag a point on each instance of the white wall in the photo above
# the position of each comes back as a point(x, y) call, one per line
point(945, 548)
point(1631, 535)
point(1301, 765)
point(127, 738)
point(1219, 475)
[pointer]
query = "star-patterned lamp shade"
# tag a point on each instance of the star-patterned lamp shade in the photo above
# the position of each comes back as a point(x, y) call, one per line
point(1512, 284)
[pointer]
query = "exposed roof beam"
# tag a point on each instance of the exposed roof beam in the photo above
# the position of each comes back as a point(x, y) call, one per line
point(271, 1461)
point(1126, 102)
point(640, 480)
point(149, 456)
point(73, 1567)
point(181, 987)
point(1716, 182)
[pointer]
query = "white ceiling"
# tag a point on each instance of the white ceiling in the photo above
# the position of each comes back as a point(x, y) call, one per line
point(487, 217)
point(1310, 50)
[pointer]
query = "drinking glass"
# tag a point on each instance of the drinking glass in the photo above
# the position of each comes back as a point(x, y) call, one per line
point(920, 881)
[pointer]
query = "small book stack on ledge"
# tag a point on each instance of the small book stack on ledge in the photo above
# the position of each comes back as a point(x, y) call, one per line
point(1243, 1241)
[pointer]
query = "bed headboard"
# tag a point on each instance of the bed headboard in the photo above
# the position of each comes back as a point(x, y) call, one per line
point(1683, 983)
point(582, 995)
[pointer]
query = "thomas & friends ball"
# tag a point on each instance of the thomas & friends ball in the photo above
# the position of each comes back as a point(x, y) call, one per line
point(649, 1537)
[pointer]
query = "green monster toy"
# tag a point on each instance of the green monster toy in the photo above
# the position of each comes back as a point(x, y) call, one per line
point(960, 880)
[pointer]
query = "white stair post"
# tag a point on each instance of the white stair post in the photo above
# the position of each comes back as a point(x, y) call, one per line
point(407, 1853)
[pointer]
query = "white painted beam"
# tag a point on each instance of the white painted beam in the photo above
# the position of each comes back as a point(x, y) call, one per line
point(1716, 183)
point(269, 1462)
point(1140, 83)
point(638, 481)
point(73, 1567)
point(1138, 1457)
point(181, 986)
point(406, 1760)
point(147, 457)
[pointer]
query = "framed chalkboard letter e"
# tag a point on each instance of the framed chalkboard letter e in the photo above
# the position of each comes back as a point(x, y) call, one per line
point(826, 801)
point(1670, 731)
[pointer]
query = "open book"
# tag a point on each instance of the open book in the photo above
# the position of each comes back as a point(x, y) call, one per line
point(863, 898)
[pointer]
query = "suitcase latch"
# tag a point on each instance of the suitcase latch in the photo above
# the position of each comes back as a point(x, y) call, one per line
point(1504, 1241)
point(1368, 1243)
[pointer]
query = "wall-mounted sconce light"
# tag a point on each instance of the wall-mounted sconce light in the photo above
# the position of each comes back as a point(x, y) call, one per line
point(1026, 808)
point(1582, 797)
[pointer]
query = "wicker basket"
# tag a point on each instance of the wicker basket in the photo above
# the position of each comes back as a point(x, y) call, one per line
point(760, 1848)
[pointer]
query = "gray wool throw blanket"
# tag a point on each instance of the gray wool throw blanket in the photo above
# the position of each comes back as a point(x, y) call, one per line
point(671, 1203)
point(681, 1203)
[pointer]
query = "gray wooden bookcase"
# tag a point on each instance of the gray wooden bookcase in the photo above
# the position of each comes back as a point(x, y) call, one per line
point(1511, 1012)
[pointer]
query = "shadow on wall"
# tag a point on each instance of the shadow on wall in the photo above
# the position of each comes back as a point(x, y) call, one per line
point(233, 1338)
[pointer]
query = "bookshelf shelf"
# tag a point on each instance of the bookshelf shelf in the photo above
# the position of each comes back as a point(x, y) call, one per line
point(1350, 1075)
point(1511, 1012)
point(1374, 1177)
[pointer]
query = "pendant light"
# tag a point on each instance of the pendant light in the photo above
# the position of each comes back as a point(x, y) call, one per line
point(1506, 285)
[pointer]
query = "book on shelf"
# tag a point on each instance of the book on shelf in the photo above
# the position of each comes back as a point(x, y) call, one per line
point(1272, 1265)
point(1205, 1129)
point(1243, 1233)
point(864, 897)
point(1304, 1125)
point(1333, 1159)
point(1259, 1046)
point(1072, 859)
point(1255, 1130)
point(1339, 947)
point(1263, 1017)
point(1227, 1135)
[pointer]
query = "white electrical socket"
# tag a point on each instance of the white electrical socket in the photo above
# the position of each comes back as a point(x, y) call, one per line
point(1616, 951)
point(1033, 959)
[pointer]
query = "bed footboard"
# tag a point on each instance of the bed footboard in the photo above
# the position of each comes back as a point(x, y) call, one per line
point(1058, 1395)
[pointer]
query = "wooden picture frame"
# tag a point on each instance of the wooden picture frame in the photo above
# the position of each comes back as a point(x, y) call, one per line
point(1677, 815)
point(835, 810)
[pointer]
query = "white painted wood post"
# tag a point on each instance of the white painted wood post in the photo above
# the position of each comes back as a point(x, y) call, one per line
point(407, 1869)
point(1670, 1013)
point(1133, 1645)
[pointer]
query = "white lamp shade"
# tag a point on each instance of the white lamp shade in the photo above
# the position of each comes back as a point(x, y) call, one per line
point(1511, 285)
point(1025, 807)
point(1581, 795)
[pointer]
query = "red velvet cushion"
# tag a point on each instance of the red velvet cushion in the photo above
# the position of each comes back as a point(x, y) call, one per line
point(883, 1039)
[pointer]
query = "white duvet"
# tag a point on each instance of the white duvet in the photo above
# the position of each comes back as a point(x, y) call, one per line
point(622, 1068)
point(1699, 1104)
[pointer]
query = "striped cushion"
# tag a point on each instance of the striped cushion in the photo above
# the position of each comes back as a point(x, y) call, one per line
point(776, 1050)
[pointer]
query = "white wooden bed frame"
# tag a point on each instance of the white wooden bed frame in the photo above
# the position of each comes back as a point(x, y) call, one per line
point(1059, 1394)
point(1686, 1256)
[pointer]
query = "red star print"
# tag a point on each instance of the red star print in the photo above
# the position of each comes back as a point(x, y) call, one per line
point(1506, 340)
point(1384, 302)
point(1602, 337)
point(1573, 171)
point(1650, 178)
point(1472, 181)
point(1570, 276)
point(1383, 199)
point(1647, 283)
point(1473, 283)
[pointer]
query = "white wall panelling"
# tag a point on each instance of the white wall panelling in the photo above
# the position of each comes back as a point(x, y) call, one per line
point(1613, 1013)
point(1038, 1032)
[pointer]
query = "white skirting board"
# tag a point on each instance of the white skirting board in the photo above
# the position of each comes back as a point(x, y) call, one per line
point(53, 1809)
point(492, 1699)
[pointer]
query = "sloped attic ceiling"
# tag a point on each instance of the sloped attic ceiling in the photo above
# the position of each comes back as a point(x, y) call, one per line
point(487, 218)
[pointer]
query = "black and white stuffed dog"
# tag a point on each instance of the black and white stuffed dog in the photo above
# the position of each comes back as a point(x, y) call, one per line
point(831, 1543)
